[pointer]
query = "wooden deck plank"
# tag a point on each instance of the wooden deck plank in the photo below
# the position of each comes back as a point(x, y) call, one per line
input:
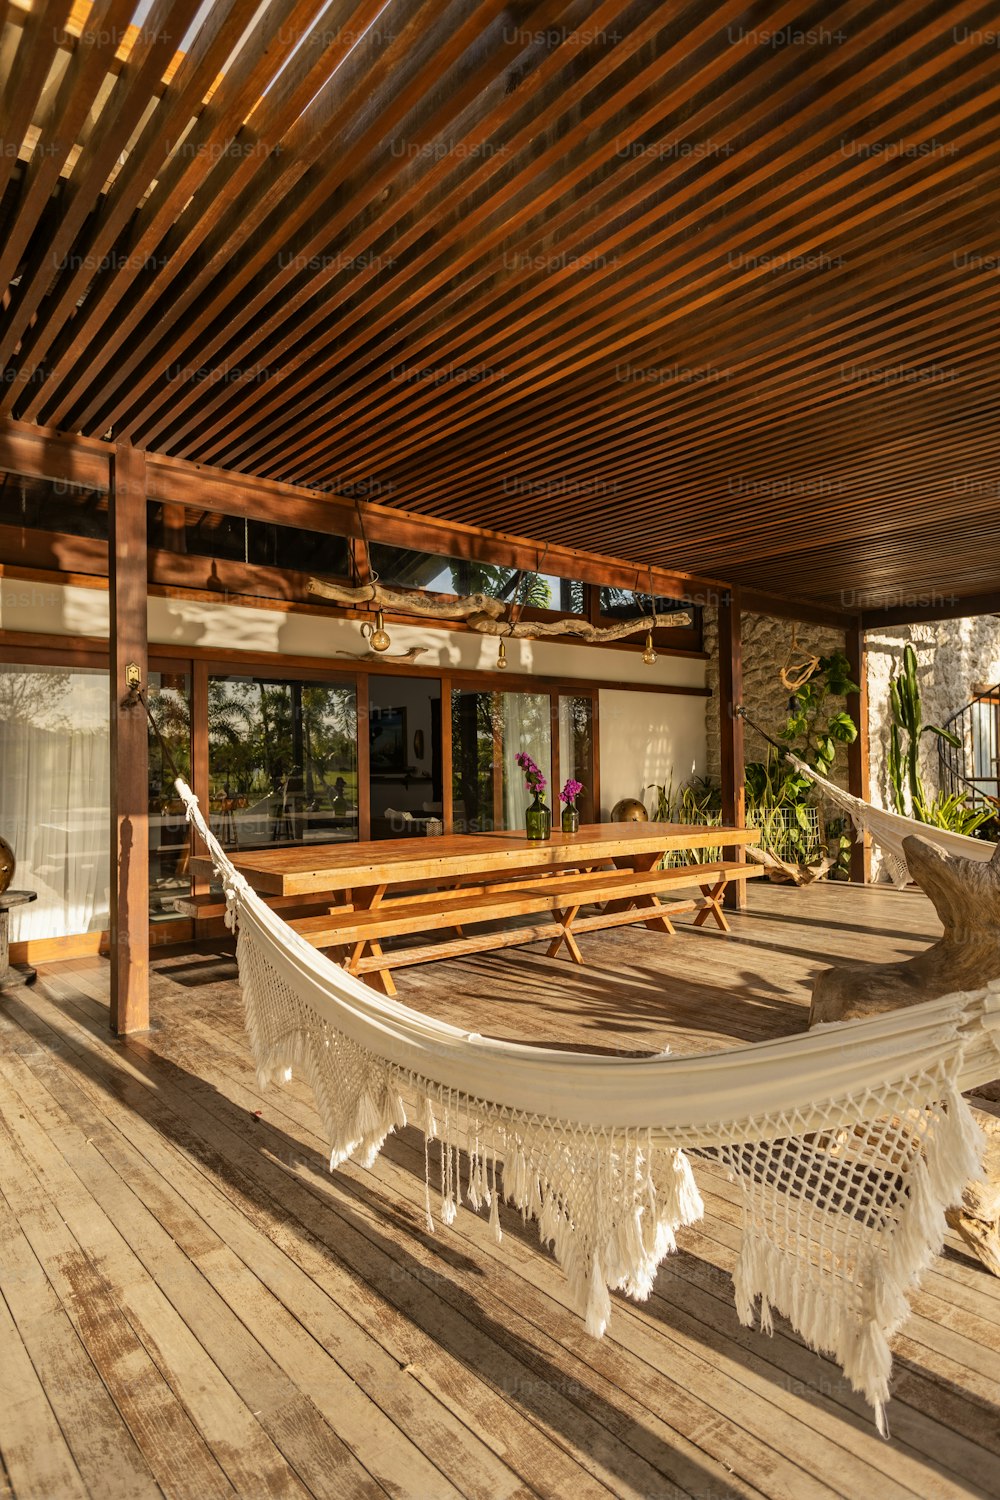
point(757, 1421)
point(105, 1452)
point(396, 1464)
point(462, 1338)
point(36, 1456)
point(315, 1450)
point(231, 1432)
point(209, 1229)
point(177, 1455)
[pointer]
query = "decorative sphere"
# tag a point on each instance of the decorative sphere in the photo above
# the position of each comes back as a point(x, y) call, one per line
point(629, 810)
point(8, 864)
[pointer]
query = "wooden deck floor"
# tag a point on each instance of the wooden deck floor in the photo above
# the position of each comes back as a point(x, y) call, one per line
point(192, 1306)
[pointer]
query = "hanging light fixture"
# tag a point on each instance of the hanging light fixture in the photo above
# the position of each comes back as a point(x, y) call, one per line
point(376, 635)
point(502, 656)
point(648, 654)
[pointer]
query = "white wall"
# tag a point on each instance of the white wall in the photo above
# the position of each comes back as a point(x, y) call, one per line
point(648, 739)
point(57, 610)
point(645, 738)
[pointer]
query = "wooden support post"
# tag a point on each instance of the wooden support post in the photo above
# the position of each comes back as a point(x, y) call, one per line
point(129, 743)
point(731, 728)
point(858, 780)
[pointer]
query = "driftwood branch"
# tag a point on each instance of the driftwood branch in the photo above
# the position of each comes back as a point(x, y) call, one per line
point(486, 615)
point(379, 597)
point(573, 625)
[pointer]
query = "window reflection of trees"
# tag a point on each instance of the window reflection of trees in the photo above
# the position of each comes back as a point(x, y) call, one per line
point(282, 747)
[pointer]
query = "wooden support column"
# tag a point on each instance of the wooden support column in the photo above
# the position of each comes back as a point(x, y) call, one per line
point(731, 728)
point(858, 778)
point(129, 743)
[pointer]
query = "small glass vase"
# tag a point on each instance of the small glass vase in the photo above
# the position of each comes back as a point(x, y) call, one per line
point(570, 818)
point(538, 820)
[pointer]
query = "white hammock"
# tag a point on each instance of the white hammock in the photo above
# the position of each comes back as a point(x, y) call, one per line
point(889, 829)
point(848, 1143)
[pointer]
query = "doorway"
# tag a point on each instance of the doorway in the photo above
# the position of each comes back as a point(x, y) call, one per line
point(405, 762)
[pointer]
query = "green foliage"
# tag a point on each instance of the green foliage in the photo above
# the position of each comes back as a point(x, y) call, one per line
point(956, 814)
point(530, 590)
point(908, 792)
point(811, 730)
point(780, 800)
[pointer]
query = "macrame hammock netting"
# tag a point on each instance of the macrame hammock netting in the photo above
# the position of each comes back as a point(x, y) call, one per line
point(847, 1143)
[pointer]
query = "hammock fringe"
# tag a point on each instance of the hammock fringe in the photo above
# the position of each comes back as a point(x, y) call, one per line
point(852, 1141)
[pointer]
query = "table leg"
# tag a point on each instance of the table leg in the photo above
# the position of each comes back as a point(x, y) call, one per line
point(641, 863)
point(10, 977)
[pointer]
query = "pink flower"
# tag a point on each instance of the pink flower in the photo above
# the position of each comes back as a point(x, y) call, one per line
point(571, 791)
point(533, 778)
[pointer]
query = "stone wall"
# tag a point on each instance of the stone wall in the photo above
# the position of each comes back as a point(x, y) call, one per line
point(954, 656)
point(766, 644)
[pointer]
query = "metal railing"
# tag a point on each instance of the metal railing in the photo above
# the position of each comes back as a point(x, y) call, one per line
point(973, 766)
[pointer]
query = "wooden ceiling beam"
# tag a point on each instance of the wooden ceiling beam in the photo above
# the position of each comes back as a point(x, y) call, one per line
point(98, 243)
point(290, 192)
point(110, 137)
point(240, 156)
point(571, 320)
point(491, 311)
point(44, 454)
point(454, 205)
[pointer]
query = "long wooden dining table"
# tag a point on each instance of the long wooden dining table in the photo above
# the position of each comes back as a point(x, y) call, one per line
point(354, 895)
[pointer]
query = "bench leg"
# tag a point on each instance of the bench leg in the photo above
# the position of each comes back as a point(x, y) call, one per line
point(380, 979)
point(567, 919)
point(713, 906)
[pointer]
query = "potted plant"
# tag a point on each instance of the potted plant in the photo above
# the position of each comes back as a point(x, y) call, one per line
point(571, 813)
point(537, 818)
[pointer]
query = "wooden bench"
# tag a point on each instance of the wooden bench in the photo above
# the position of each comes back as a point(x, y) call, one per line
point(627, 895)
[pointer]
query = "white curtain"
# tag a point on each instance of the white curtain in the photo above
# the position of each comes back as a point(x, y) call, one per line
point(54, 797)
point(526, 726)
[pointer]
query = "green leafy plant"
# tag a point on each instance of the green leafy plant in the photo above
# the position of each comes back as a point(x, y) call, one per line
point(810, 729)
point(908, 791)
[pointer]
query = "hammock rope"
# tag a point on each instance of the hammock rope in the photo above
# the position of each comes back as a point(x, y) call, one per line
point(888, 829)
point(847, 1143)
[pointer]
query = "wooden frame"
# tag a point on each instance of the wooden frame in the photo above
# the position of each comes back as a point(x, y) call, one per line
point(171, 573)
point(858, 774)
point(129, 782)
point(731, 730)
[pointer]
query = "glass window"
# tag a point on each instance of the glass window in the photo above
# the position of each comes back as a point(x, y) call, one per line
point(576, 752)
point(169, 695)
point(54, 797)
point(282, 760)
point(208, 534)
point(488, 731)
point(626, 604)
point(53, 505)
point(398, 567)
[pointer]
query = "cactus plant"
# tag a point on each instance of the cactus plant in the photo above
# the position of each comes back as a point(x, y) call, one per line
point(907, 718)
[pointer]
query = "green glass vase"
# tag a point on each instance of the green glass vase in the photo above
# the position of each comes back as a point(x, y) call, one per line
point(570, 818)
point(538, 820)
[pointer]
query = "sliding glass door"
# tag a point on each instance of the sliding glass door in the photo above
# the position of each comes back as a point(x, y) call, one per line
point(488, 731)
point(282, 761)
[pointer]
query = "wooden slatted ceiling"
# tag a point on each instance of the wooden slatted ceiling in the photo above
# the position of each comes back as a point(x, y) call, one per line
point(713, 288)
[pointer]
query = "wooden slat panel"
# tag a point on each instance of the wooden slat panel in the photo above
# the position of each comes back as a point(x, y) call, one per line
point(650, 280)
